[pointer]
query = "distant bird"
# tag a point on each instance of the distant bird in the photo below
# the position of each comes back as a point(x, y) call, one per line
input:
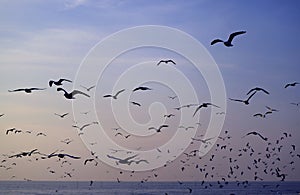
point(61, 115)
point(61, 155)
point(262, 115)
point(205, 141)
point(291, 84)
point(83, 126)
point(59, 82)
point(166, 62)
point(258, 89)
point(89, 160)
point(127, 160)
point(142, 88)
point(88, 88)
point(168, 115)
point(172, 97)
point(10, 130)
point(296, 104)
point(186, 128)
point(272, 109)
point(72, 94)
point(256, 133)
point(1, 115)
point(41, 134)
point(135, 103)
point(204, 105)
point(159, 128)
point(34, 151)
point(114, 96)
point(27, 90)
point(228, 43)
point(246, 102)
point(67, 141)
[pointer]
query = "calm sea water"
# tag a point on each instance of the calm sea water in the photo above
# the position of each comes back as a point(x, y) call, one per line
point(54, 187)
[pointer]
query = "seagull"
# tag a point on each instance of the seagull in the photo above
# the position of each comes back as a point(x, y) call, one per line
point(43, 134)
point(135, 103)
point(60, 155)
point(246, 102)
point(205, 141)
point(258, 89)
point(88, 88)
point(10, 130)
point(204, 105)
point(142, 88)
point(83, 126)
point(72, 94)
point(127, 160)
point(272, 109)
point(62, 115)
point(228, 43)
point(59, 82)
point(27, 90)
point(24, 154)
point(262, 115)
point(166, 62)
point(159, 128)
point(291, 84)
point(172, 97)
point(169, 115)
point(255, 133)
point(296, 104)
point(114, 96)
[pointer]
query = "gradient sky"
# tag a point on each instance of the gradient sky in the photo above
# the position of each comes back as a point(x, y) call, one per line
point(43, 40)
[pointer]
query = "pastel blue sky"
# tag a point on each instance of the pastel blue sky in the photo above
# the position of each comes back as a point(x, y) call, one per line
point(43, 40)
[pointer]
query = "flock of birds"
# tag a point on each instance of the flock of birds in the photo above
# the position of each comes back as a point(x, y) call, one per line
point(266, 160)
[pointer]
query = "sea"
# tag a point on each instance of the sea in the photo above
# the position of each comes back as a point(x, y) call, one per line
point(164, 188)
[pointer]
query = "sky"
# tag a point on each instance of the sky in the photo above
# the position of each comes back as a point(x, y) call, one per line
point(48, 40)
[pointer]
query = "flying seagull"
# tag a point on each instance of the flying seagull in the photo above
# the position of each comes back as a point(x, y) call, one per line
point(228, 43)
point(61, 115)
point(159, 128)
point(291, 84)
point(114, 96)
point(204, 105)
point(246, 102)
point(255, 133)
point(88, 88)
point(258, 89)
point(59, 82)
point(136, 103)
point(127, 160)
point(72, 94)
point(262, 115)
point(166, 62)
point(205, 141)
point(61, 155)
point(142, 88)
point(27, 90)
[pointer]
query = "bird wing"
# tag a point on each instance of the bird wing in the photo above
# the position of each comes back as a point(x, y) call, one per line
point(61, 80)
point(197, 109)
point(160, 62)
point(135, 103)
point(216, 41)
point(232, 35)
point(105, 96)
point(51, 83)
point(251, 96)
point(236, 100)
point(287, 85)
point(74, 157)
point(213, 105)
point(91, 87)
point(15, 90)
point(162, 126)
point(112, 157)
point(264, 91)
point(79, 92)
point(34, 88)
point(119, 92)
point(172, 62)
point(131, 157)
point(258, 114)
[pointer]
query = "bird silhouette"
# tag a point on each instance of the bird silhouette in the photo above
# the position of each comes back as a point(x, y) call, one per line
point(127, 160)
point(61, 115)
point(27, 90)
point(142, 88)
point(262, 115)
point(246, 102)
point(257, 89)
point(88, 88)
point(205, 141)
point(72, 94)
point(204, 105)
point(135, 103)
point(59, 82)
point(166, 62)
point(159, 128)
point(272, 109)
point(228, 43)
point(168, 115)
point(291, 84)
point(61, 155)
point(256, 133)
point(114, 96)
